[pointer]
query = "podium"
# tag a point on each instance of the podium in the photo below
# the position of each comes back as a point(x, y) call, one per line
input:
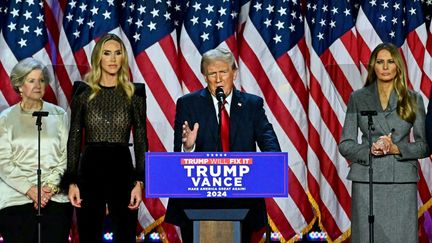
point(203, 180)
point(209, 225)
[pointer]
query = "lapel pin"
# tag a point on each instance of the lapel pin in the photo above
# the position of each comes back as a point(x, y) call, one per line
point(239, 104)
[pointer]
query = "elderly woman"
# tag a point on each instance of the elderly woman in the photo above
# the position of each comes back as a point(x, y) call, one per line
point(19, 159)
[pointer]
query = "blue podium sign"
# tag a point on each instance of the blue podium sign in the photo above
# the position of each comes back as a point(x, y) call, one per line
point(216, 175)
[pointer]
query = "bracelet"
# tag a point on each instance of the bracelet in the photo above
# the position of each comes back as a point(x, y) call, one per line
point(54, 189)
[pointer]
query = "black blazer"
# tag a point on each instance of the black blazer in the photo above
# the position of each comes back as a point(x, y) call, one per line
point(249, 127)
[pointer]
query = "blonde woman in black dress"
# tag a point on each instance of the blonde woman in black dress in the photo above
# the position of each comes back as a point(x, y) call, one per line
point(105, 109)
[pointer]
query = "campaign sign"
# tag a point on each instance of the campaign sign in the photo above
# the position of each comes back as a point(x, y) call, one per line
point(216, 175)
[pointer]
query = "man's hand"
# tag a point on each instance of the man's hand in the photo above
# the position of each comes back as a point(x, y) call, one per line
point(189, 136)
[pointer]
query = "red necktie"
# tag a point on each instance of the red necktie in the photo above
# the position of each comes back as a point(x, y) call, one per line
point(225, 128)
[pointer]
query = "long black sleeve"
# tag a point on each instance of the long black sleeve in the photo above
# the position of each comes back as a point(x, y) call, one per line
point(140, 130)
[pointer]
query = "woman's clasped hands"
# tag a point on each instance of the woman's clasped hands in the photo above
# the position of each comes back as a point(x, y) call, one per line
point(46, 194)
point(382, 146)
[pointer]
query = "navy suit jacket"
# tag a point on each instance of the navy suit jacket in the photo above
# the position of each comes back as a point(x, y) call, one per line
point(249, 127)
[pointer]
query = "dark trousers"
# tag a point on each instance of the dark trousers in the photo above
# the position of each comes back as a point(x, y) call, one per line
point(106, 181)
point(19, 224)
point(91, 217)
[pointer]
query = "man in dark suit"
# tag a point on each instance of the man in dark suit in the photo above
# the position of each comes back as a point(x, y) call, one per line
point(196, 129)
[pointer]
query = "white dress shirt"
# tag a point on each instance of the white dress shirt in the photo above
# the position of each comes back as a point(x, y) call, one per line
point(228, 100)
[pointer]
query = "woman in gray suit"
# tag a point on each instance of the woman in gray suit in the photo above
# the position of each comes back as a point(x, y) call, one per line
point(395, 154)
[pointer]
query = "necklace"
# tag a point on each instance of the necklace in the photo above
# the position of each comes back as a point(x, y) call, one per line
point(30, 111)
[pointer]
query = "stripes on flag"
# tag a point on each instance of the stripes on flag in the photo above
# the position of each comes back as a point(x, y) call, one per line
point(149, 32)
point(333, 75)
point(272, 65)
point(427, 64)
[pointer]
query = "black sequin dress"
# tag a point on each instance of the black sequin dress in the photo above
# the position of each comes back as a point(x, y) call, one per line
point(99, 159)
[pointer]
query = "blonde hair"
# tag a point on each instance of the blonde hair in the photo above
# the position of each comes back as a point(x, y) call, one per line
point(406, 105)
point(95, 74)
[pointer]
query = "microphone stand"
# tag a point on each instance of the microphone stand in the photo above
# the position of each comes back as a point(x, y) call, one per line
point(220, 96)
point(371, 217)
point(39, 115)
point(219, 144)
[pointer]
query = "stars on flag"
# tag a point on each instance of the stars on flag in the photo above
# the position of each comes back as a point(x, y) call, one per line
point(393, 19)
point(87, 20)
point(328, 20)
point(23, 26)
point(147, 21)
point(279, 22)
point(210, 22)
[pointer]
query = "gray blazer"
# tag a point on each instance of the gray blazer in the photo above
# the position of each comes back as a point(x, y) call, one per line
point(388, 168)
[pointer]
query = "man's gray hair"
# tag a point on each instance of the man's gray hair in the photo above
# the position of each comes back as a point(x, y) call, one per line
point(218, 54)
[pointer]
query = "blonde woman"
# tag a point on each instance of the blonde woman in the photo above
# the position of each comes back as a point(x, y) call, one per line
point(400, 111)
point(105, 109)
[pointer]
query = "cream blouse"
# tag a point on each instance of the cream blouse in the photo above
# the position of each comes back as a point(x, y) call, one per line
point(19, 151)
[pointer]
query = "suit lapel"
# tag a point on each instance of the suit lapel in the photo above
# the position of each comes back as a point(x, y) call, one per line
point(392, 103)
point(374, 103)
point(236, 114)
point(210, 125)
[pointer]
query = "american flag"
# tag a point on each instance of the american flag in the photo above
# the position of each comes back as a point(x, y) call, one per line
point(206, 25)
point(148, 27)
point(272, 65)
point(303, 57)
point(427, 65)
point(334, 74)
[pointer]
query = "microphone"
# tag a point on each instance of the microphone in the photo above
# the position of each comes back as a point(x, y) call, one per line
point(220, 95)
point(368, 113)
point(39, 115)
